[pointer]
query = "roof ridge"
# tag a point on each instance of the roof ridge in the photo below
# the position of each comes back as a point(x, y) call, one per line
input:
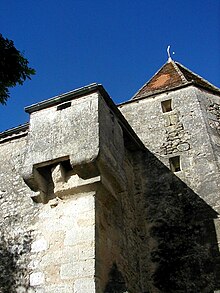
point(202, 79)
point(179, 72)
point(196, 75)
point(171, 75)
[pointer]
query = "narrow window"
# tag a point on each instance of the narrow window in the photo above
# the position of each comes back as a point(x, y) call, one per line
point(166, 106)
point(175, 164)
point(63, 106)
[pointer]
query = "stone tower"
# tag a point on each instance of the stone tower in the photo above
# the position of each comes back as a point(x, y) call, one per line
point(97, 198)
point(177, 116)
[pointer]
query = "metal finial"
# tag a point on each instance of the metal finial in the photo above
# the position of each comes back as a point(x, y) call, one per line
point(168, 53)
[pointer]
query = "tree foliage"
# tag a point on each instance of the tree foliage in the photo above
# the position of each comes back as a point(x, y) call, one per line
point(14, 68)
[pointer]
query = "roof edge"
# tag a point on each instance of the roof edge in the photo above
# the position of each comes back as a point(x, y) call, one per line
point(14, 132)
point(62, 98)
point(155, 93)
point(192, 83)
point(94, 87)
point(128, 130)
point(133, 97)
point(214, 87)
point(182, 72)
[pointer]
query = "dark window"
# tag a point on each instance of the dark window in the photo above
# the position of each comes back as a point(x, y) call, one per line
point(166, 106)
point(175, 164)
point(64, 106)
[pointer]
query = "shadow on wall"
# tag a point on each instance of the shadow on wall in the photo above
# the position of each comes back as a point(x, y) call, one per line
point(116, 282)
point(179, 248)
point(13, 265)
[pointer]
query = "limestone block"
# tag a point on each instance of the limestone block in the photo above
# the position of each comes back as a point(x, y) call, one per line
point(86, 251)
point(77, 269)
point(64, 185)
point(52, 274)
point(173, 119)
point(83, 234)
point(166, 120)
point(53, 225)
point(37, 278)
point(59, 288)
point(86, 203)
point(36, 290)
point(39, 245)
point(85, 219)
point(34, 264)
point(61, 256)
point(84, 285)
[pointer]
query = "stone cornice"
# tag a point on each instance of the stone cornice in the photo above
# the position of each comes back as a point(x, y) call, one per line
point(63, 98)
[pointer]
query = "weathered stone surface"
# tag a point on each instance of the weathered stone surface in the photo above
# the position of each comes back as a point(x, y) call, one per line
point(182, 132)
point(39, 245)
point(84, 285)
point(61, 134)
point(85, 207)
point(37, 278)
point(186, 134)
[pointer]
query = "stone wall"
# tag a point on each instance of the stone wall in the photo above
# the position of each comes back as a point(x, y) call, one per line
point(187, 130)
point(85, 207)
point(68, 202)
point(17, 217)
point(210, 107)
point(117, 242)
point(180, 246)
point(180, 132)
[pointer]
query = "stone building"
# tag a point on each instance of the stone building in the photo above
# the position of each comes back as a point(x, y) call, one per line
point(99, 198)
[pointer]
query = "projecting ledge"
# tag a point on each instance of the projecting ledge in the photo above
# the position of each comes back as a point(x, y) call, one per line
point(59, 183)
point(70, 183)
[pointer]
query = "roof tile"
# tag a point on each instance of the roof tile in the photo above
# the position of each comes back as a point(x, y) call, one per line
point(172, 75)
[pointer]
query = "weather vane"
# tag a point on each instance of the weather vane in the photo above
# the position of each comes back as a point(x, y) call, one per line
point(168, 53)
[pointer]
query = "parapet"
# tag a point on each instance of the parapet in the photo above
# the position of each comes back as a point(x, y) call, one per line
point(84, 131)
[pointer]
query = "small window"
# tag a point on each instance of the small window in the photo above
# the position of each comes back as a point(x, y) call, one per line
point(166, 106)
point(64, 106)
point(175, 164)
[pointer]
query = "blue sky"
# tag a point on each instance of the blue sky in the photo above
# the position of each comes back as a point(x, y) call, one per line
point(118, 43)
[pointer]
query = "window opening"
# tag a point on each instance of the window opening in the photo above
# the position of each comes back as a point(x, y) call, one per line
point(175, 164)
point(64, 106)
point(166, 106)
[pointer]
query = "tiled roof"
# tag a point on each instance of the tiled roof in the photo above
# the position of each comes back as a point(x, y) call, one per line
point(173, 75)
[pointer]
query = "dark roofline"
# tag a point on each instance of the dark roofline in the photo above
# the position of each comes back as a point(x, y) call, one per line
point(14, 132)
point(189, 83)
point(154, 94)
point(62, 98)
point(187, 76)
point(129, 133)
point(198, 80)
point(94, 87)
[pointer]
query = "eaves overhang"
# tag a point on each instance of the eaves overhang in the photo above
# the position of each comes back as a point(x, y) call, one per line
point(156, 93)
point(130, 136)
point(62, 98)
point(15, 132)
